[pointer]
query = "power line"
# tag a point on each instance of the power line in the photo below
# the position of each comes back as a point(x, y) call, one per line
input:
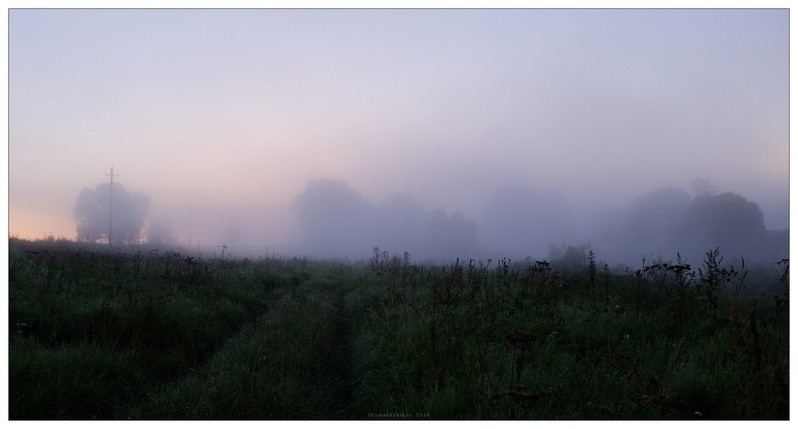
point(59, 147)
point(111, 206)
point(54, 159)
point(32, 147)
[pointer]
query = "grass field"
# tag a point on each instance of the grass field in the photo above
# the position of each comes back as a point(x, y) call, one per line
point(136, 333)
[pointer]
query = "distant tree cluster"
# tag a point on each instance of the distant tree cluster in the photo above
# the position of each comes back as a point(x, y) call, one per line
point(523, 221)
point(92, 213)
point(667, 221)
point(161, 232)
point(335, 220)
point(518, 221)
point(130, 215)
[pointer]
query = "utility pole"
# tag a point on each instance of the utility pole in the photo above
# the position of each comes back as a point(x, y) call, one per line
point(189, 226)
point(111, 206)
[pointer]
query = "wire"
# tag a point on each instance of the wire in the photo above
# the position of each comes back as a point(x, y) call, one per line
point(62, 149)
point(33, 147)
point(53, 159)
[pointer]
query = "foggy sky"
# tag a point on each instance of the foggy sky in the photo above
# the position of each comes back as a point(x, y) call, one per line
point(234, 112)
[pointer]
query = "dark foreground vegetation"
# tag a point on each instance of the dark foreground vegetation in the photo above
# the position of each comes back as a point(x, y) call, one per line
point(146, 334)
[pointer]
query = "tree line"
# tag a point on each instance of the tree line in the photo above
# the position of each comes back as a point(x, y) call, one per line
point(335, 221)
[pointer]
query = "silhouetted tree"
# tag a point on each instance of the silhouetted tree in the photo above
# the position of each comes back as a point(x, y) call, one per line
point(650, 224)
point(335, 220)
point(727, 220)
point(161, 232)
point(92, 214)
point(703, 187)
point(400, 224)
point(568, 256)
point(451, 236)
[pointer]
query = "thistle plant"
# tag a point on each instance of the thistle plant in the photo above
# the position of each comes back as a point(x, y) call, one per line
point(591, 268)
point(713, 278)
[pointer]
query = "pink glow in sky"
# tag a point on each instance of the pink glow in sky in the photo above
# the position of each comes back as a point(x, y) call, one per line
point(234, 111)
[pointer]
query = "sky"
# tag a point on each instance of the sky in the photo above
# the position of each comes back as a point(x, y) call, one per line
point(233, 112)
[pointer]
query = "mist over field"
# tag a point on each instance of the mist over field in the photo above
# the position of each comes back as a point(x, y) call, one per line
point(519, 221)
point(398, 214)
point(442, 133)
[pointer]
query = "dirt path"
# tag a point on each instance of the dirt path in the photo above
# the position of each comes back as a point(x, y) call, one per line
point(340, 358)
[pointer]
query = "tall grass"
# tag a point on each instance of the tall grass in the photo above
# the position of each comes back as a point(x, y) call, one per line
point(142, 334)
point(291, 364)
point(160, 314)
point(529, 342)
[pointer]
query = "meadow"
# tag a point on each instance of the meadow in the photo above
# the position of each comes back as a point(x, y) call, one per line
point(140, 333)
